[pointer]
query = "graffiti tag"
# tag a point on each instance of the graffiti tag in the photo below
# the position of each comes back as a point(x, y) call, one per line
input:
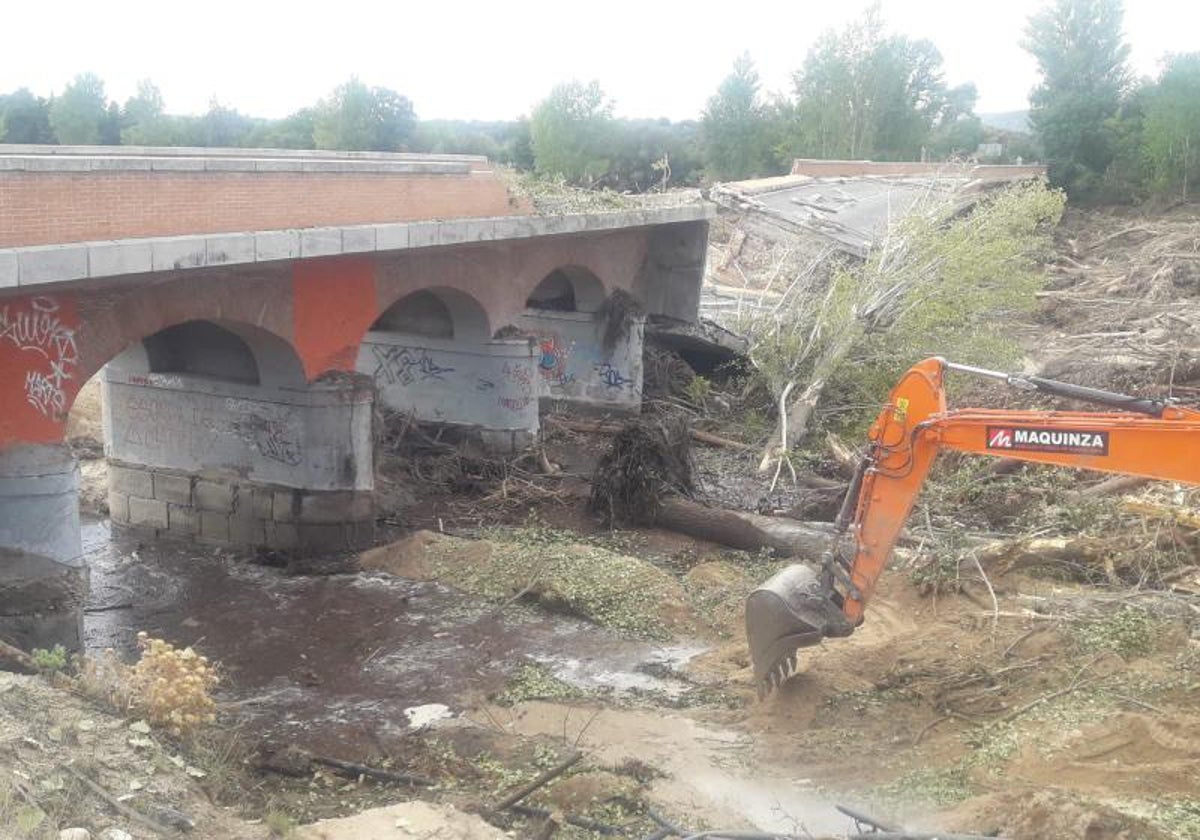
point(520, 391)
point(406, 365)
point(612, 376)
point(39, 328)
point(273, 439)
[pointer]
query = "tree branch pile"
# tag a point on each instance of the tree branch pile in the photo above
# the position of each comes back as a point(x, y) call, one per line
point(933, 285)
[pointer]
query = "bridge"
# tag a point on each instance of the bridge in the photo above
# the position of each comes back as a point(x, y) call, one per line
point(248, 310)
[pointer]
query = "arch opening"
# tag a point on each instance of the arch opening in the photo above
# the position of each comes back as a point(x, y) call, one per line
point(202, 348)
point(567, 289)
point(435, 313)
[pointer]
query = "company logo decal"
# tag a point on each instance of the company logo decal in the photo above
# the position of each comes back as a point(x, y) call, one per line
point(1016, 438)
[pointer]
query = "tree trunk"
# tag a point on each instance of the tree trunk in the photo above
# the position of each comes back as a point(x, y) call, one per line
point(745, 531)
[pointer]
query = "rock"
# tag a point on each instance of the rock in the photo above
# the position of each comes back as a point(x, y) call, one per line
point(115, 834)
point(74, 834)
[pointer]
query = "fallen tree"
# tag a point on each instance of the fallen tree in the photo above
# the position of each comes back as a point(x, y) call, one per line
point(645, 478)
point(931, 286)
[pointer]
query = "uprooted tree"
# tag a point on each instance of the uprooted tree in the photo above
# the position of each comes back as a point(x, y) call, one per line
point(938, 283)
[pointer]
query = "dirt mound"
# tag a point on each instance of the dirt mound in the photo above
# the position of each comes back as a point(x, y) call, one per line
point(1044, 814)
point(50, 740)
point(613, 590)
point(1122, 755)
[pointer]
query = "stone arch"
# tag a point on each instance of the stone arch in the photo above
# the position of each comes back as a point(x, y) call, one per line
point(571, 288)
point(438, 312)
point(216, 349)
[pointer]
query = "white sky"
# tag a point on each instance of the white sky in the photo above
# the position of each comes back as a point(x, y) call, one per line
point(494, 60)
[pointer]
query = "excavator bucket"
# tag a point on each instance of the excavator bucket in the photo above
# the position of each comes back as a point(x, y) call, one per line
point(792, 610)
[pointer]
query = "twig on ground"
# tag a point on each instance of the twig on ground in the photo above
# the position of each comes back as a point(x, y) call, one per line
point(541, 781)
point(117, 805)
point(354, 770)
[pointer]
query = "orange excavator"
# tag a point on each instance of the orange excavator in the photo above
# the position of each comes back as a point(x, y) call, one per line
point(800, 606)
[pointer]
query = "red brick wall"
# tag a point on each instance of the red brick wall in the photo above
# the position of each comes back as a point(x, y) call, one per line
point(46, 208)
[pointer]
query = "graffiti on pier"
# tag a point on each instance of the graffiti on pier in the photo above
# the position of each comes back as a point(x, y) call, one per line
point(38, 327)
point(612, 377)
point(274, 438)
point(406, 365)
point(520, 392)
point(167, 424)
point(485, 385)
point(555, 354)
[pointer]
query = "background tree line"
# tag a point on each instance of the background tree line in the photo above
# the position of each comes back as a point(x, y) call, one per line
point(860, 93)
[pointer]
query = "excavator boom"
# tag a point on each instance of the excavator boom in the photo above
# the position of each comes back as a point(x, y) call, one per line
point(799, 606)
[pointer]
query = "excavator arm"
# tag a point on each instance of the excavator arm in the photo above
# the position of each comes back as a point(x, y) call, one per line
point(799, 607)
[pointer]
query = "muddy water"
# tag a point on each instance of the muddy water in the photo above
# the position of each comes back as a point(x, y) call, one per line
point(332, 663)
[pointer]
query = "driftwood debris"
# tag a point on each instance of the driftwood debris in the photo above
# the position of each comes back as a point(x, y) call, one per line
point(599, 428)
point(540, 782)
point(14, 659)
point(117, 805)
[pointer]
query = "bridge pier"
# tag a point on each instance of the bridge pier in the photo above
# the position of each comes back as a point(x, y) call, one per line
point(213, 435)
point(43, 579)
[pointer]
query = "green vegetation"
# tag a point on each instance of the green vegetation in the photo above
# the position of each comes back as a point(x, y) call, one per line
point(861, 91)
point(569, 131)
point(361, 118)
point(534, 681)
point(944, 786)
point(935, 286)
point(735, 126)
point(50, 661)
point(553, 568)
point(1128, 632)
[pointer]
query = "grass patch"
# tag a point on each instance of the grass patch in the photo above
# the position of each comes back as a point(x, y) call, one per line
point(614, 590)
point(945, 786)
point(535, 682)
point(1127, 632)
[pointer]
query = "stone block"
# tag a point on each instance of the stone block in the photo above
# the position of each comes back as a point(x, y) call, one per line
point(391, 237)
point(320, 242)
point(111, 259)
point(282, 535)
point(229, 248)
point(423, 234)
point(131, 481)
point(214, 527)
point(147, 513)
point(118, 506)
point(335, 506)
point(355, 239)
point(175, 252)
point(176, 489)
point(9, 273)
point(285, 507)
point(213, 495)
point(515, 228)
point(52, 263)
point(276, 245)
point(182, 521)
point(262, 503)
point(247, 532)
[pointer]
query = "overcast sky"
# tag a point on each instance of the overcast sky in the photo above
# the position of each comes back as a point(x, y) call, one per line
point(493, 60)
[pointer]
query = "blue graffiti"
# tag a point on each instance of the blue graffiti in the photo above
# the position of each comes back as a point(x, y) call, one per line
point(485, 385)
point(612, 376)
